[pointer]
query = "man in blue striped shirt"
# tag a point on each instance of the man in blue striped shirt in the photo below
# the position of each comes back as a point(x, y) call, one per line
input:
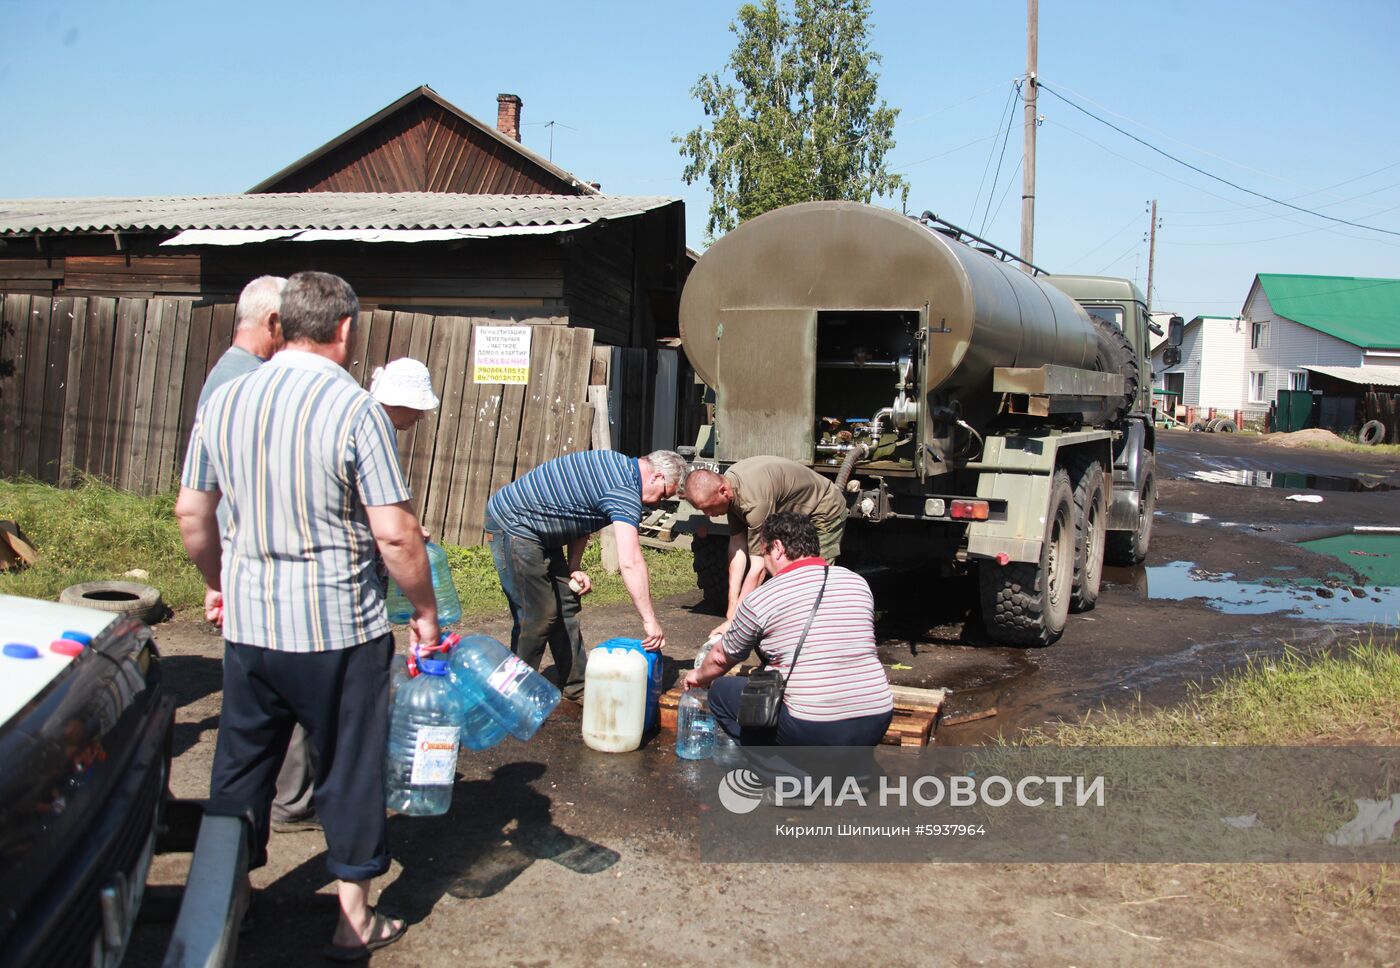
point(305, 460)
point(537, 528)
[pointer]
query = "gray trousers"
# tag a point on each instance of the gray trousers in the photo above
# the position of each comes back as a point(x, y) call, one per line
point(295, 781)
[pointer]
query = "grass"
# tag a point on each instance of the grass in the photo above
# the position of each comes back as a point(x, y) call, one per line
point(93, 531)
point(1349, 695)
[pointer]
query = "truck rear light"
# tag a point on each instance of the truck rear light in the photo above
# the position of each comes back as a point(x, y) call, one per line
point(969, 510)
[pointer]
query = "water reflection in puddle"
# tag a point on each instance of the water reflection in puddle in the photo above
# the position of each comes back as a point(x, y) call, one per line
point(1297, 482)
point(1183, 580)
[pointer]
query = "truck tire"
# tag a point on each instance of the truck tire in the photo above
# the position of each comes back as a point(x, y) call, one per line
point(1225, 426)
point(1372, 433)
point(1199, 426)
point(1027, 603)
point(712, 569)
point(1090, 530)
point(1125, 548)
point(1115, 355)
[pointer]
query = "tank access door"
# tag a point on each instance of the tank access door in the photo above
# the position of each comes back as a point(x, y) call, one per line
point(764, 401)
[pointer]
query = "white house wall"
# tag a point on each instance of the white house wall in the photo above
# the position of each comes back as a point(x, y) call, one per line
point(1287, 347)
point(1226, 341)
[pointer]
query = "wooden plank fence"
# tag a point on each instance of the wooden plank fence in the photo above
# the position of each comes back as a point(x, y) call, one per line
point(109, 387)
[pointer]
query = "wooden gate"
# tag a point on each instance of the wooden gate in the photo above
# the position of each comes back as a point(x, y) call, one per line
point(108, 387)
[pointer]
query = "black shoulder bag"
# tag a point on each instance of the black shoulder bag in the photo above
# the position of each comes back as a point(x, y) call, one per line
point(763, 693)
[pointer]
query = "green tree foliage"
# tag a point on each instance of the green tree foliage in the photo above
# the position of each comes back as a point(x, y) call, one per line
point(800, 120)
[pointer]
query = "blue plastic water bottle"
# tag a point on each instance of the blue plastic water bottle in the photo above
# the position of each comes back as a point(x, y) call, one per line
point(695, 727)
point(516, 696)
point(420, 764)
point(449, 608)
point(480, 731)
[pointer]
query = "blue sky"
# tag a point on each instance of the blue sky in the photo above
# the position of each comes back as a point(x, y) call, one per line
point(1291, 98)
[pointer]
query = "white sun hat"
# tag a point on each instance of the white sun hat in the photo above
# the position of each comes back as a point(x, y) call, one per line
point(403, 383)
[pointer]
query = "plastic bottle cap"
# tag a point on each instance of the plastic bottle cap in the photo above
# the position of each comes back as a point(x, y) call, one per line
point(66, 647)
point(17, 651)
point(82, 638)
point(432, 667)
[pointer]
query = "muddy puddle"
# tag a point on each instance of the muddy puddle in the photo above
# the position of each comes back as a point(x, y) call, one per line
point(1291, 481)
point(1340, 598)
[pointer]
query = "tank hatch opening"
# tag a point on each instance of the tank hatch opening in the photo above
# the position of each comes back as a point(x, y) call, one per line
point(867, 379)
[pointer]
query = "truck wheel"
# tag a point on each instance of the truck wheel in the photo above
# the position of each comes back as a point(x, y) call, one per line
point(1027, 603)
point(1115, 354)
point(1372, 433)
point(712, 569)
point(1090, 530)
point(1225, 426)
point(1130, 547)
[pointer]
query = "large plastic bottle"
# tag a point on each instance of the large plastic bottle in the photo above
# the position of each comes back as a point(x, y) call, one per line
point(449, 608)
point(516, 696)
point(480, 730)
point(614, 699)
point(695, 727)
point(424, 728)
point(654, 673)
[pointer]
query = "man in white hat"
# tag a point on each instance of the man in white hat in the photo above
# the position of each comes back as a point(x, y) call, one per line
point(405, 389)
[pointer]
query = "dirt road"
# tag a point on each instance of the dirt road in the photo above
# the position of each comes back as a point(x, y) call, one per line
point(556, 855)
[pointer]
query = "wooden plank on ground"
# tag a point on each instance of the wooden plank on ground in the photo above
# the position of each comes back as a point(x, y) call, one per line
point(68, 460)
point(142, 396)
point(172, 442)
point(32, 404)
point(14, 325)
point(448, 373)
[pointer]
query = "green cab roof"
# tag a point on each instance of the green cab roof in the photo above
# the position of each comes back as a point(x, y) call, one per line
point(1359, 310)
point(1096, 288)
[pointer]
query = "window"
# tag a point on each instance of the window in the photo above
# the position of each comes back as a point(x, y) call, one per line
point(1256, 385)
point(1258, 335)
point(1109, 314)
point(1298, 380)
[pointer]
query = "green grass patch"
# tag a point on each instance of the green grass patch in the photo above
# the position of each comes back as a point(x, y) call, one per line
point(1346, 695)
point(93, 531)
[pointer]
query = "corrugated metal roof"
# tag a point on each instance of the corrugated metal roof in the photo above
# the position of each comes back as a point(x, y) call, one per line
point(315, 210)
point(1362, 311)
point(1380, 376)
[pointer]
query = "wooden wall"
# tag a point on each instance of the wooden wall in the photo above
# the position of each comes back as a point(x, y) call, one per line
point(108, 386)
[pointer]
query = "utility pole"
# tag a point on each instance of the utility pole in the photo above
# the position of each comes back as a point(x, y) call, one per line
point(1151, 252)
point(1028, 178)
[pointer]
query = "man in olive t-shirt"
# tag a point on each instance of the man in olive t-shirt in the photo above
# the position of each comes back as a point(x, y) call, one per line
point(748, 493)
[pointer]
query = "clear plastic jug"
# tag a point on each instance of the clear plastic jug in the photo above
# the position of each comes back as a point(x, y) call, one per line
point(614, 699)
point(486, 673)
point(449, 608)
point(420, 764)
point(695, 727)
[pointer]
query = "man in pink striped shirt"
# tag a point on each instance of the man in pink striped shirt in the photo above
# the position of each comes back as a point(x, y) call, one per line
point(837, 694)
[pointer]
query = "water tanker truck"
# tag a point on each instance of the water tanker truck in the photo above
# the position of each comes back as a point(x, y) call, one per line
point(978, 416)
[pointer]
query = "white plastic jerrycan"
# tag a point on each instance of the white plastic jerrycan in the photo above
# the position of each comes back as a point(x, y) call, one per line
point(614, 699)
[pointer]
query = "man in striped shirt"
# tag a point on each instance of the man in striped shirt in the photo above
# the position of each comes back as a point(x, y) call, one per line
point(837, 693)
point(537, 528)
point(306, 462)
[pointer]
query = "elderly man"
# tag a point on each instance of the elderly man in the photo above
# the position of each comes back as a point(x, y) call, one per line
point(257, 334)
point(749, 492)
point(538, 527)
point(305, 459)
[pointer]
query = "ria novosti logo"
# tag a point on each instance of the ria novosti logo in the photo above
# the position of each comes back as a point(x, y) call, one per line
point(740, 791)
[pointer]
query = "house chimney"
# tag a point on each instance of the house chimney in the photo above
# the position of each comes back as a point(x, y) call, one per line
point(508, 115)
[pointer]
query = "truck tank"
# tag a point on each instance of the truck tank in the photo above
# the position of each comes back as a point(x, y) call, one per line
point(894, 319)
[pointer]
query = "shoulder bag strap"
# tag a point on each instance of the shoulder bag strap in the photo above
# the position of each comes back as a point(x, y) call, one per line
point(826, 570)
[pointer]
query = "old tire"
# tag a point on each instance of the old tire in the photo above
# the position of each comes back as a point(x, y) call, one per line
point(1372, 433)
point(1114, 354)
point(712, 569)
point(1027, 603)
point(120, 597)
point(1125, 548)
point(1225, 426)
point(1199, 426)
point(1090, 531)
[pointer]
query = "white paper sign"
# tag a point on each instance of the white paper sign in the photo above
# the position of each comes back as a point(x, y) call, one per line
point(502, 354)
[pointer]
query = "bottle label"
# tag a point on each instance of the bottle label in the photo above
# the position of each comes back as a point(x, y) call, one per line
point(508, 676)
point(434, 756)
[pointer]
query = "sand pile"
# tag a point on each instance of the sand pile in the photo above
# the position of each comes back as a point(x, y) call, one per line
point(1304, 438)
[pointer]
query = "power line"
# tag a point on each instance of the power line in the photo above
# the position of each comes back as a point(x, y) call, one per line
point(1005, 114)
point(1224, 181)
point(1000, 158)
